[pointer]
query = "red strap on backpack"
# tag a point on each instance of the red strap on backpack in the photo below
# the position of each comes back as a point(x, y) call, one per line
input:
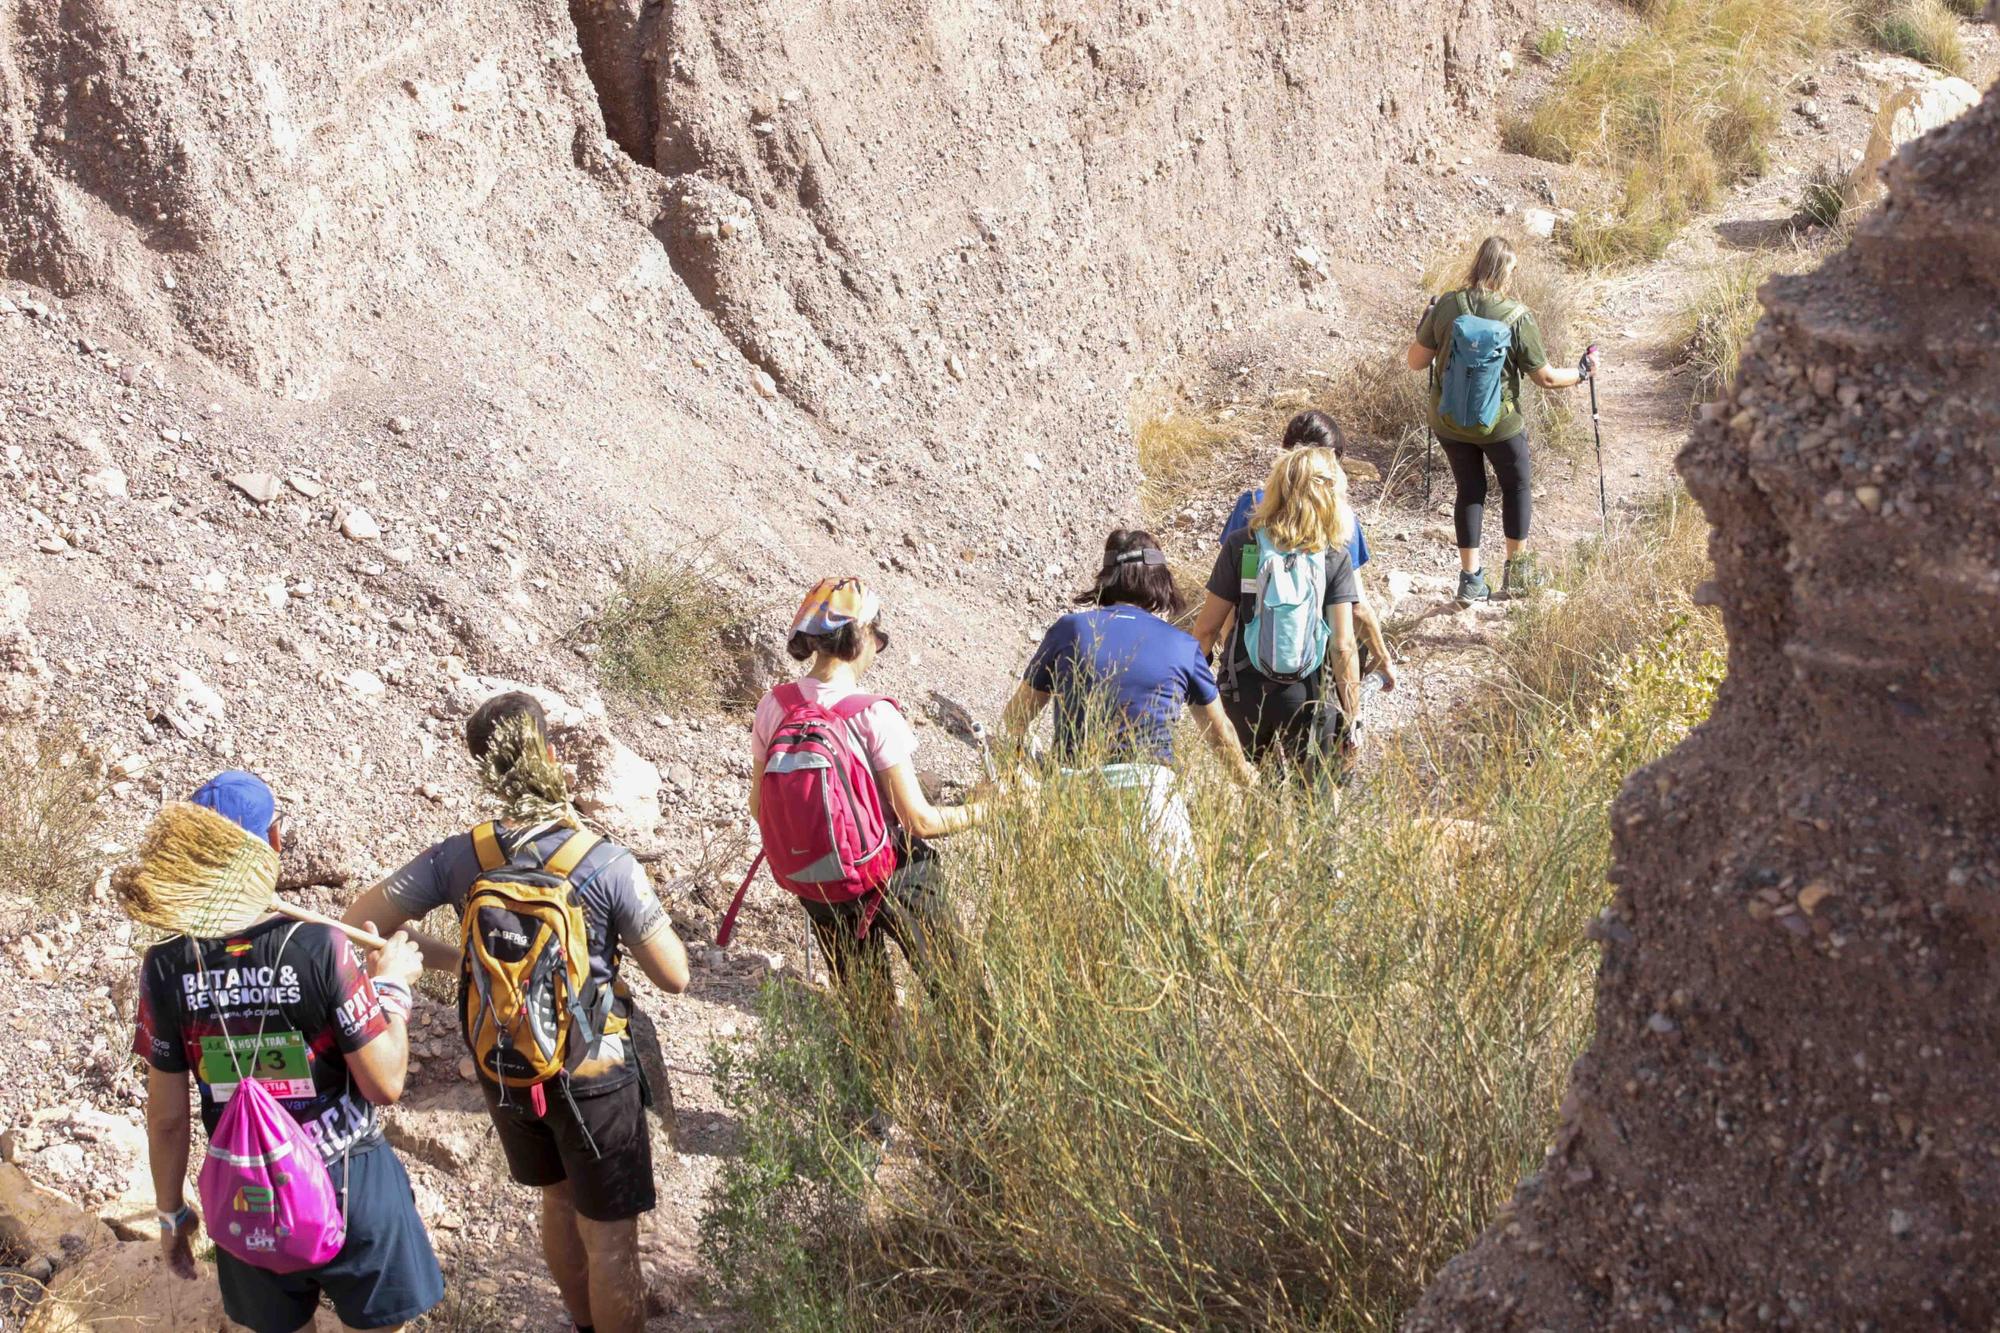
point(727, 930)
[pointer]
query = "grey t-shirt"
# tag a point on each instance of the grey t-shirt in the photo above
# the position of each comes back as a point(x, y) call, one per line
point(619, 907)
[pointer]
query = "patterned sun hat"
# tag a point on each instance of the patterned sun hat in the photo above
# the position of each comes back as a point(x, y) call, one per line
point(835, 603)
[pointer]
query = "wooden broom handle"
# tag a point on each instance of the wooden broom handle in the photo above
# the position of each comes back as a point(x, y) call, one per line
point(310, 917)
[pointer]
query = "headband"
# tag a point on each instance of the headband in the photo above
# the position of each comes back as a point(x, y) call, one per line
point(1149, 555)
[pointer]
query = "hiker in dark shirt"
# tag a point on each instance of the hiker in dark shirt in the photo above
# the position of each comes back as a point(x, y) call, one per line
point(587, 1148)
point(325, 1030)
point(1305, 513)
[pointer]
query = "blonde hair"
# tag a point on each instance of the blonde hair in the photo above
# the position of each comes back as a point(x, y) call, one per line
point(1305, 502)
point(1493, 266)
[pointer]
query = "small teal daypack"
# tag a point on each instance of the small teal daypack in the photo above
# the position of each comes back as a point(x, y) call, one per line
point(1472, 389)
point(1286, 633)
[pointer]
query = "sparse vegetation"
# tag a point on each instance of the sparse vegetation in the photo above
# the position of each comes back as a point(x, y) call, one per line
point(1925, 30)
point(1277, 1095)
point(1179, 451)
point(50, 817)
point(661, 634)
point(1551, 42)
point(1719, 313)
point(1675, 115)
point(1823, 201)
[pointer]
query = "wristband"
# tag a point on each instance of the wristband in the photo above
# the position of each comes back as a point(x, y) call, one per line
point(395, 997)
point(171, 1223)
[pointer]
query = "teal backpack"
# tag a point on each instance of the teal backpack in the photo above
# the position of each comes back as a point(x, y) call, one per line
point(1285, 632)
point(1471, 391)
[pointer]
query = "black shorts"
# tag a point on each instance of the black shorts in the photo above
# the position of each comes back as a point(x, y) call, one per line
point(599, 1144)
point(386, 1273)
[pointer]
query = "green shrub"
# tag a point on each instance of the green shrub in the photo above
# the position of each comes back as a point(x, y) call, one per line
point(1551, 43)
point(1823, 200)
point(661, 634)
point(51, 817)
point(1279, 1092)
point(1925, 30)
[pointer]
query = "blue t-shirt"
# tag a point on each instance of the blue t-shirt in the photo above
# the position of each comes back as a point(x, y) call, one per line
point(1139, 669)
point(1246, 504)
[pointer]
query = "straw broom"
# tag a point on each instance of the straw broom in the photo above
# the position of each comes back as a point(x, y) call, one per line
point(201, 875)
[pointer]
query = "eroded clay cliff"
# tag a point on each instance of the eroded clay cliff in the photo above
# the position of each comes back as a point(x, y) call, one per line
point(1790, 1116)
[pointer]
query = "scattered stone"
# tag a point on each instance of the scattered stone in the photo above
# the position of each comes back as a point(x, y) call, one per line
point(261, 487)
point(359, 525)
point(305, 486)
point(1814, 894)
point(109, 482)
point(1539, 222)
point(761, 381)
point(364, 683)
point(50, 544)
point(1660, 1025)
point(401, 425)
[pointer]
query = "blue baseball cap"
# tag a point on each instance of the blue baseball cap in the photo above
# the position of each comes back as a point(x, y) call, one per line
point(240, 797)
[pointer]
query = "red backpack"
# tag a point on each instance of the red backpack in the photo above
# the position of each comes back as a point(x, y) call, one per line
point(818, 809)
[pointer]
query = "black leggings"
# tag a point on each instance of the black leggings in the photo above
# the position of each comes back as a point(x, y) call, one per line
point(1468, 468)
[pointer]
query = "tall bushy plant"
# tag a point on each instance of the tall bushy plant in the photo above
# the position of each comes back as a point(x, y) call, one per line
point(1275, 1091)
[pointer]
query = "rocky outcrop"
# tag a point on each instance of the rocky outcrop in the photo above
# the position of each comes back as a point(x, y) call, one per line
point(1790, 1114)
point(1910, 109)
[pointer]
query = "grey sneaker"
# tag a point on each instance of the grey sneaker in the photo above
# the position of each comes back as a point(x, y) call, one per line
point(1472, 588)
point(1521, 577)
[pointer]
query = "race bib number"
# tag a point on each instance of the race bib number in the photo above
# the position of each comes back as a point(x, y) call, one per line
point(275, 1059)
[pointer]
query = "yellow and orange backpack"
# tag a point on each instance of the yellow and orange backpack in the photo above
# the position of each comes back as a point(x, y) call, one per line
point(526, 1000)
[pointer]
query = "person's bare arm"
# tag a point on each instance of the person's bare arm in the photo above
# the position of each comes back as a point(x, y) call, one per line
point(1210, 625)
point(1420, 356)
point(756, 783)
point(1370, 625)
point(168, 1125)
point(374, 904)
point(1566, 377)
point(914, 810)
point(663, 958)
point(380, 1068)
point(1347, 672)
point(1021, 712)
point(1220, 734)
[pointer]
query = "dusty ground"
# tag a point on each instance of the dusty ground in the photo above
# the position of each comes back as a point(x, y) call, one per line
point(607, 412)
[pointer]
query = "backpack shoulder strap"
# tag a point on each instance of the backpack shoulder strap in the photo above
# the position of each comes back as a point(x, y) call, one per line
point(566, 858)
point(854, 705)
point(487, 847)
point(789, 695)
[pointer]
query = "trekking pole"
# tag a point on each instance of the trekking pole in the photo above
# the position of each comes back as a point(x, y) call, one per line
point(1430, 436)
point(1589, 372)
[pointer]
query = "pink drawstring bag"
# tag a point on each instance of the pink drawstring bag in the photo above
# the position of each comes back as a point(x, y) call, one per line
point(265, 1193)
point(267, 1196)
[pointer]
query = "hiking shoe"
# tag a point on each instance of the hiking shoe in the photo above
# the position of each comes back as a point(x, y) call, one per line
point(1521, 577)
point(1472, 588)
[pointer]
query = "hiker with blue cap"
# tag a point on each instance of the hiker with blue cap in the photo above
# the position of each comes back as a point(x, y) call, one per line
point(291, 1007)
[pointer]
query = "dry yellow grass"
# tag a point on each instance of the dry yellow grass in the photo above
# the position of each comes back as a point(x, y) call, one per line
point(1676, 114)
point(1275, 1093)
